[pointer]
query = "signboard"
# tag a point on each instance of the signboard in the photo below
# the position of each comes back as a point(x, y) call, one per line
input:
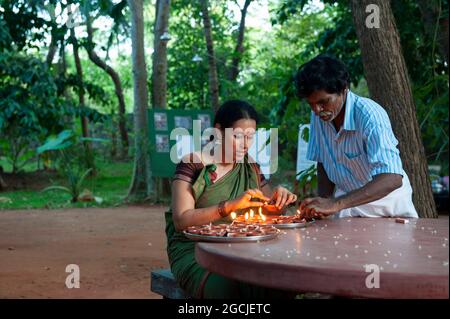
point(161, 123)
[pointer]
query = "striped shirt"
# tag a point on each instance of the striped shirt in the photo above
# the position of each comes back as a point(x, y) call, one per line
point(364, 147)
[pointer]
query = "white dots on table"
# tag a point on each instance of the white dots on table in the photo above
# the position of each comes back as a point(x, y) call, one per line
point(346, 256)
point(370, 242)
point(317, 257)
point(388, 251)
point(379, 243)
point(307, 254)
point(324, 258)
point(394, 265)
point(314, 238)
point(420, 247)
point(364, 229)
point(229, 245)
point(429, 256)
point(365, 251)
point(356, 246)
point(338, 256)
point(336, 242)
point(388, 262)
point(385, 255)
point(445, 263)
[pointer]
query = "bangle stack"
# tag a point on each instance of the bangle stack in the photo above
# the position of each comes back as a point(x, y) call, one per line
point(221, 209)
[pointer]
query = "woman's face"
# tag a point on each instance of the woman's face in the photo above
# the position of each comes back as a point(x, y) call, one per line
point(326, 105)
point(240, 138)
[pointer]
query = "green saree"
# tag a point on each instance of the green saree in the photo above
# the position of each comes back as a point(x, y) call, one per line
point(191, 277)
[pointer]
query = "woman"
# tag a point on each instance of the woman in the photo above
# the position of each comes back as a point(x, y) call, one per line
point(206, 190)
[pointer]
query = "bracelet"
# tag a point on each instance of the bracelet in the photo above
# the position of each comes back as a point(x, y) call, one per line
point(221, 209)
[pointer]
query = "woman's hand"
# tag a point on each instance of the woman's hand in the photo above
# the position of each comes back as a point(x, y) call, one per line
point(244, 201)
point(282, 197)
point(318, 207)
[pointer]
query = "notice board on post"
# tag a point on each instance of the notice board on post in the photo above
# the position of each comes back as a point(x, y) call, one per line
point(161, 124)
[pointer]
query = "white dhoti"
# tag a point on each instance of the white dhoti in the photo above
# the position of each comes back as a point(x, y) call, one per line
point(398, 203)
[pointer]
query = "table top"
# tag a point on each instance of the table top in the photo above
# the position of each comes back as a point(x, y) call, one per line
point(344, 257)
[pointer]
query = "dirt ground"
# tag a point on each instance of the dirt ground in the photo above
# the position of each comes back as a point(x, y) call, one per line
point(115, 249)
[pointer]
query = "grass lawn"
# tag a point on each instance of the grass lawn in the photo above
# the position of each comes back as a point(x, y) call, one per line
point(110, 184)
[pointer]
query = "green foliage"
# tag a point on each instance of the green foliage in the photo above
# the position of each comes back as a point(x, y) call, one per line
point(432, 113)
point(29, 104)
point(307, 181)
point(76, 183)
point(20, 24)
point(69, 157)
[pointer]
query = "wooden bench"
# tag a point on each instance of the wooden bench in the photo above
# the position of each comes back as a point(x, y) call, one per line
point(164, 284)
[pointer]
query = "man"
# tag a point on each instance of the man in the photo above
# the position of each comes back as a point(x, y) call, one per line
point(359, 168)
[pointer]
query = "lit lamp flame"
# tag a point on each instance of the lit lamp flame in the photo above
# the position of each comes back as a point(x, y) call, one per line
point(252, 213)
point(246, 216)
point(298, 212)
point(233, 215)
point(263, 217)
point(260, 211)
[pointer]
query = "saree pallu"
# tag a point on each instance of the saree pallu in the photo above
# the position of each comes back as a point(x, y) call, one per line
point(190, 276)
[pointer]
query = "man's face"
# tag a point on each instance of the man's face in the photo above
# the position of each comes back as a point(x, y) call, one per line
point(326, 105)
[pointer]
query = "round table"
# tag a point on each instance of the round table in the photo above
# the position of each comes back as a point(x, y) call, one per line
point(351, 257)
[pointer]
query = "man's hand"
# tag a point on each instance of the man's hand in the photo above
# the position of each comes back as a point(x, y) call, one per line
point(282, 197)
point(317, 207)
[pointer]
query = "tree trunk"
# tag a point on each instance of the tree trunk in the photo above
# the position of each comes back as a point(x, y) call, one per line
point(234, 70)
point(2, 182)
point(84, 121)
point(435, 25)
point(159, 74)
point(51, 49)
point(387, 78)
point(141, 184)
point(117, 85)
point(213, 78)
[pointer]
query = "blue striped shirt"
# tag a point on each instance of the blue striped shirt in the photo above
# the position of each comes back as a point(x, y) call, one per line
point(364, 147)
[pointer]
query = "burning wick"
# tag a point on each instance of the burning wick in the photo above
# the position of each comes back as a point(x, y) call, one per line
point(233, 215)
point(246, 216)
point(260, 211)
point(252, 213)
point(263, 217)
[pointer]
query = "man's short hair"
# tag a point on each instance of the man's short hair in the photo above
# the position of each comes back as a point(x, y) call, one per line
point(324, 72)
